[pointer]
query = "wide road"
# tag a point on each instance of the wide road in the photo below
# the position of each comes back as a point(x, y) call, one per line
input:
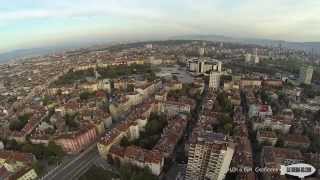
point(72, 169)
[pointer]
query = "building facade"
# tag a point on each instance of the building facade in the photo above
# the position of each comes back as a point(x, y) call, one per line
point(209, 157)
point(75, 142)
point(214, 80)
point(305, 76)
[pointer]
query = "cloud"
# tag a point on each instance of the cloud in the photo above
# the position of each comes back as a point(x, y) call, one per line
point(81, 9)
point(276, 19)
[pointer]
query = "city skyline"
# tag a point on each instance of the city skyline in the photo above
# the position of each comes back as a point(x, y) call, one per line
point(27, 24)
point(182, 109)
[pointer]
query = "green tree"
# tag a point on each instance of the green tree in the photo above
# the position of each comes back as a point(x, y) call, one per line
point(130, 172)
point(227, 128)
point(155, 124)
point(59, 92)
point(17, 125)
point(45, 100)
point(151, 76)
point(152, 132)
point(130, 88)
point(74, 76)
point(40, 151)
point(309, 92)
point(52, 152)
point(12, 99)
point(27, 148)
point(125, 172)
point(55, 150)
point(52, 160)
point(12, 145)
point(124, 142)
point(224, 103)
point(226, 78)
point(71, 121)
point(148, 142)
point(265, 97)
point(97, 173)
point(37, 167)
point(84, 95)
point(225, 119)
point(144, 174)
point(279, 143)
point(316, 116)
point(315, 144)
point(174, 77)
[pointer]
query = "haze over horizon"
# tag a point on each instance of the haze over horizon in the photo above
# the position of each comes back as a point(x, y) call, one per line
point(36, 23)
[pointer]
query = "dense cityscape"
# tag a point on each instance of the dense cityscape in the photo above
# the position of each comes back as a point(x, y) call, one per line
point(171, 110)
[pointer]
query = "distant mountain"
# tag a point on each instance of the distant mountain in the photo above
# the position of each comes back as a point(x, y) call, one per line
point(306, 46)
point(19, 53)
point(22, 53)
point(25, 53)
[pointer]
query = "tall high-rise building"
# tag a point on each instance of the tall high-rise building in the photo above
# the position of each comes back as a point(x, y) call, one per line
point(209, 157)
point(148, 46)
point(204, 65)
point(201, 51)
point(305, 76)
point(214, 80)
point(256, 57)
point(204, 44)
point(1, 84)
point(247, 58)
point(219, 66)
point(221, 44)
point(201, 66)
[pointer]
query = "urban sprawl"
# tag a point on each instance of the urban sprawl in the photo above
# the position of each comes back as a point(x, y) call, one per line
point(172, 110)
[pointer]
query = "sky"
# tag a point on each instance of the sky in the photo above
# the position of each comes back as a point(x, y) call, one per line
point(38, 23)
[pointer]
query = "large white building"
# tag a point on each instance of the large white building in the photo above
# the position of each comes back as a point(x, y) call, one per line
point(2, 87)
point(260, 111)
point(148, 46)
point(1, 84)
point(275, 123)
point(201, 51)
point(209, 157)
point(305, 76)
point(214, 80)
point(256, 59)
point(247, 58)
point(204, 65)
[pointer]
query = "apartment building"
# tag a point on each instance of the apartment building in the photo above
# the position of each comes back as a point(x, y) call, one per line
point(74, 142)
point(210, 155)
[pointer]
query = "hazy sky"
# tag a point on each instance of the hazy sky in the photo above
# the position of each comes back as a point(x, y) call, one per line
point(36, 23)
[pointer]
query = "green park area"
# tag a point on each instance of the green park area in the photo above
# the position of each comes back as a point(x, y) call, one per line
point(18, 124)
point(107, 72)
point(45, 155)
point(125, 172)
point(225, 108)
point(151, 135)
